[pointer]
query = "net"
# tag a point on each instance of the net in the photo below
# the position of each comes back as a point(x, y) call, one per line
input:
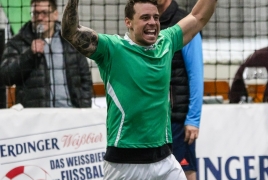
point(236, 30)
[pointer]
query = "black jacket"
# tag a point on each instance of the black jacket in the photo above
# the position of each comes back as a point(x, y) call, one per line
point(31, 76)
point(179, 86)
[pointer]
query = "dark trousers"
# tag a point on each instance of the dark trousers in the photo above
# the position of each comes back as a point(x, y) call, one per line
point(2, 96)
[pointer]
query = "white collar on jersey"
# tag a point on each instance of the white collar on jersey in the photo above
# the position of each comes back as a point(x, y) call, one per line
point(146, 48)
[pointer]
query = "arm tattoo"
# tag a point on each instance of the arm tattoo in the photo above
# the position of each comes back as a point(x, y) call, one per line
point(85, 40)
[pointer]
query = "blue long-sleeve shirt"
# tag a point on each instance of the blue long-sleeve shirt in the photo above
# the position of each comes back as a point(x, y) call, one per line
point(193, 59)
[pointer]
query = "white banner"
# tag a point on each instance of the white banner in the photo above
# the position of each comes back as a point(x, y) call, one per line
point(52, 144)
point(233, 142)
point(69, 144)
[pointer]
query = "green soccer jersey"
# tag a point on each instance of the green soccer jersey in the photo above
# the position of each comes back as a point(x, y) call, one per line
point(137, 82)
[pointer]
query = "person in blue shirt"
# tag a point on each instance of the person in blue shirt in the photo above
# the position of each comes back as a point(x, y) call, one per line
point(186, 91)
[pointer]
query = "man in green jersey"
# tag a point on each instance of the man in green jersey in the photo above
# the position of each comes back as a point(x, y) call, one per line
point(136, 73)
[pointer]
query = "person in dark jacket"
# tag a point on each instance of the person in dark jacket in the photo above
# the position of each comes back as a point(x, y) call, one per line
point(186, 90)
point(46, 70)
point(238, 89)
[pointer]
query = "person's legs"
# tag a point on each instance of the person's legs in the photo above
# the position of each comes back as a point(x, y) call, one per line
point(167, 169)
point(190, 175)
point(190, 169)
point(184, 153)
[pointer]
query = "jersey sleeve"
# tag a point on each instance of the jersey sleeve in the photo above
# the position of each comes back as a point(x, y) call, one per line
point(193, 57)
point(176, 36)
point(102, 53)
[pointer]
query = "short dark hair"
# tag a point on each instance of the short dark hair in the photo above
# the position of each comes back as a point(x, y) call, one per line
point(129, 8)
point(53, 3)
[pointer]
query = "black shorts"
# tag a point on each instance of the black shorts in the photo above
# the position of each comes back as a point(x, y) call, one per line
point(184, 153)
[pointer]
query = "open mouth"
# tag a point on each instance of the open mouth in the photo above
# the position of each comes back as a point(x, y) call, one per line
point(150, 32)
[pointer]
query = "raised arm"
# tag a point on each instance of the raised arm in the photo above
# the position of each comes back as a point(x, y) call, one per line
point(197, 19)
point(84, 39)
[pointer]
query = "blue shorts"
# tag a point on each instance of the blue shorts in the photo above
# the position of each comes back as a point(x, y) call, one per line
point(184, 153)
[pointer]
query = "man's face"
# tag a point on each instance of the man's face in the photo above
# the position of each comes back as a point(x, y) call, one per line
point(145, 26)
point(42, 13)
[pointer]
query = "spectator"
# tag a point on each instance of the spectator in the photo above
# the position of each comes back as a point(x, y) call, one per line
point(136, 72)
point(3, 100)
point(186, 90)
point(238, 88)
point(46, 69)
